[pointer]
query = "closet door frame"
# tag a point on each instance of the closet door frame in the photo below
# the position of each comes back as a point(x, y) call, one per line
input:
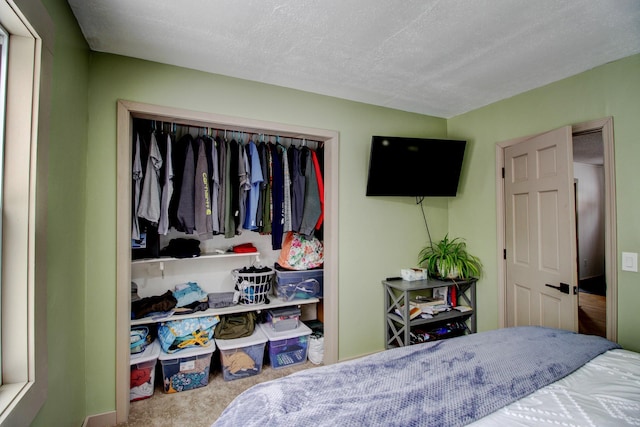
point(127, 111)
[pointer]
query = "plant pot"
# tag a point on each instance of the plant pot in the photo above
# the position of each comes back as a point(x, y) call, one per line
point(453, 273)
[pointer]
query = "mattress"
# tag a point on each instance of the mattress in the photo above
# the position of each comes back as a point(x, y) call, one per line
point(604, 392)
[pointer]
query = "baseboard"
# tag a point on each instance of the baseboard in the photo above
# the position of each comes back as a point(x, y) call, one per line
point(106, 419)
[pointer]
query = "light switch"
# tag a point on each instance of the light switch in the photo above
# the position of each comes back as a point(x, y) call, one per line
point(630, 261)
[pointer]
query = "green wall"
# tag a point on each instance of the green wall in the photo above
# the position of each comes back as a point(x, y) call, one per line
point(609, 90)
point(65, 405)
point(377, 236)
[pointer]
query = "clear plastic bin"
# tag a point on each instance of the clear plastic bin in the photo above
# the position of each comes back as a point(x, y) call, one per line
point(186, 369)
point(242, 357)
point(287, 348)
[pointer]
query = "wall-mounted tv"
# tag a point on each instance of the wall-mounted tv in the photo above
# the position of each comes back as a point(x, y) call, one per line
point(420, 167)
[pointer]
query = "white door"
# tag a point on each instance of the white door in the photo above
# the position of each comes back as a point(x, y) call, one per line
point(540, 232)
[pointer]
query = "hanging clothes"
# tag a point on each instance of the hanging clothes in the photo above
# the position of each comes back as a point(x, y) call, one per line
point(256, 179)
point(202, 194)
point(179, 153)
point(312, 210)
point(215, 188)
point(286, 203)
point(231, 186)
point(186, 205)
point(211, 186)
point(320, 182)
point(149, 207)
point(277, 194)
point(244, 178)
point(222, 176)
point(136, 174)
point(297, 189)
point(263, 166)
point(265, 190)
point(167, 189)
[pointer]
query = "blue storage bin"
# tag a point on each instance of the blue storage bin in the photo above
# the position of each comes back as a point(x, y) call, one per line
point(298, 284)
point(287, 348)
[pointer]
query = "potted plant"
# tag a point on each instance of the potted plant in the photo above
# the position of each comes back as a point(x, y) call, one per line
point(449, 259)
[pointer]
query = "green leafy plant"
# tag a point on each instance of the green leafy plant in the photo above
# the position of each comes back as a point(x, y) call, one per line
point(449, 259)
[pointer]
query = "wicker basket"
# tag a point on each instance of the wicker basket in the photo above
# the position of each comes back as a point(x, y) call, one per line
point(253, 287)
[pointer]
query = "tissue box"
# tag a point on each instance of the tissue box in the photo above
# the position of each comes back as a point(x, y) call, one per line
point(411, 274)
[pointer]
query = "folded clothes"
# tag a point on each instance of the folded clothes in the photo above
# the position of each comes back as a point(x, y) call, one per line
point(153, 304)
point(244, 248)
point(182, 248)
point(188, 293)
point(201, 305)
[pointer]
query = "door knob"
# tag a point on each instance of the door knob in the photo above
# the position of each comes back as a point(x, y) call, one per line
point(564, 287)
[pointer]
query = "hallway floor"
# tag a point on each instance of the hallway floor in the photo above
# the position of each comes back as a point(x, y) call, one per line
point(592, 314)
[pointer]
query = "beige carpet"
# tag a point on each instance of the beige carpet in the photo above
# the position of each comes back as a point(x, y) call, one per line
point(199, 407)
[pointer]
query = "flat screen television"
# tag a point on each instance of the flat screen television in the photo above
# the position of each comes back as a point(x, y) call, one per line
point(420, 167)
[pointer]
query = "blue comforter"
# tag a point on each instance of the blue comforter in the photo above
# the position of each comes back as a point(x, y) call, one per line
point(443, 383)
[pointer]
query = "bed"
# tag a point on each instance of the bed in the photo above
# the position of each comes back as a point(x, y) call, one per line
point(521, 376)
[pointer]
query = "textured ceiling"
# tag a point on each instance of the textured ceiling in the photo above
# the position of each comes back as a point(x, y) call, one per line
point(440, 58)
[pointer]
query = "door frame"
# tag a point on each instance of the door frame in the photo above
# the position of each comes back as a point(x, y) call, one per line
point(126, 112)
point(604, 125)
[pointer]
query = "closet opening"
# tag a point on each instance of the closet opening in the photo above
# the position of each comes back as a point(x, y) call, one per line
point(132, 116)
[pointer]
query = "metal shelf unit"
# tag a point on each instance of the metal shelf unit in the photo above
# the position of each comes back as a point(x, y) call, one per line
point(397, 294)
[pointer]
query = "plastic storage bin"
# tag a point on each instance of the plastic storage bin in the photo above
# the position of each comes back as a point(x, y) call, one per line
point(242, 357)
point(283, 319)
point(143, 368)
point(287, 348)
point(186, 369)
point(301, 284)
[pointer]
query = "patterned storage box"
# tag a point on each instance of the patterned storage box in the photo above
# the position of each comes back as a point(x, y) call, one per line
point(186, 369)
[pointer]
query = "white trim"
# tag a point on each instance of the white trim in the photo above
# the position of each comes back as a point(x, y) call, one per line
point(106, 419)
point(611, 253)
point(129, 109)
point(24, 343)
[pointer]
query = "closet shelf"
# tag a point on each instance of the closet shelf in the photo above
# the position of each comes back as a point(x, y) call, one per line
point(238, 308)
point(202, 256)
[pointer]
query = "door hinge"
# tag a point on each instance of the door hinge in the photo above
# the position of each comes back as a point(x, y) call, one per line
point(504, 254)
point(502, 173)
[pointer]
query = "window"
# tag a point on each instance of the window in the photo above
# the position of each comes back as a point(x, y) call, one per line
point(22, 269)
